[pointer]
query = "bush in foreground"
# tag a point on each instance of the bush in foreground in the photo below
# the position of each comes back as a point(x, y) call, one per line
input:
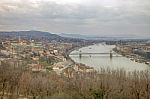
point(107, 84)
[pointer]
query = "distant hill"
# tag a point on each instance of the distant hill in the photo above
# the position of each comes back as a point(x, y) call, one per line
point(79, 36)
point(104, 37)
point(36, 35)
point(73, 35)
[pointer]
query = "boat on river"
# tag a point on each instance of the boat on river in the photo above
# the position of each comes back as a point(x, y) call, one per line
point(148, 63)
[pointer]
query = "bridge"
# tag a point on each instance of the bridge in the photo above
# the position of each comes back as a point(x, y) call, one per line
point(111, 54)
point(89, 53)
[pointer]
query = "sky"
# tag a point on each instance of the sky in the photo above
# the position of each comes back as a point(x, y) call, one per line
point(86, 17)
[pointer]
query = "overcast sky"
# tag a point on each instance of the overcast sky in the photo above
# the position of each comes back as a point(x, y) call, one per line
point(94, 17)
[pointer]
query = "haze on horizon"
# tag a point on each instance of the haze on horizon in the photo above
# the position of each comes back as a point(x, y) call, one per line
point(94, 17)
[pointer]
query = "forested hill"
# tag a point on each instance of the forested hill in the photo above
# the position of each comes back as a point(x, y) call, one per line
point(36, 35)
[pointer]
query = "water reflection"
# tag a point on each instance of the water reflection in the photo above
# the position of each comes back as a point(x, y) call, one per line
point(105, 61)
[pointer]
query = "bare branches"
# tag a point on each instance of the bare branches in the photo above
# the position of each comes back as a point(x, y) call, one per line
point(106, 84)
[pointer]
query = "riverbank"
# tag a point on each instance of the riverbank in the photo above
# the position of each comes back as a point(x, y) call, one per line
point(78, 66)
point(104, 61)
point(132, 56)
point(67, 52)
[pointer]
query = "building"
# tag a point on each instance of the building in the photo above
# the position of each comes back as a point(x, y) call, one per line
point(148, 54)
point(68, 72)
point(36, 68)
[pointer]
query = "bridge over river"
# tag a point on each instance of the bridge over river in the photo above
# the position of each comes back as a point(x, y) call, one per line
point(112, 54)
point(98, 56)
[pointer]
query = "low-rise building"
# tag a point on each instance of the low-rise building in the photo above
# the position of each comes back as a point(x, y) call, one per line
point(83, 68)
point(36, 68)
point(68, 72)
point(148, 54)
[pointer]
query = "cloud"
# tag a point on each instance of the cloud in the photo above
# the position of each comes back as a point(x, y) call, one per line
point(86, 16)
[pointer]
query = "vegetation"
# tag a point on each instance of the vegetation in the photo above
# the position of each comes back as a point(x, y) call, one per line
point(37, 36)
point(107, 84)
point(46, 61)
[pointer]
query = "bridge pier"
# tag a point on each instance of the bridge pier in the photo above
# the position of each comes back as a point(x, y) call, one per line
point(80, 55)
point(111, 54)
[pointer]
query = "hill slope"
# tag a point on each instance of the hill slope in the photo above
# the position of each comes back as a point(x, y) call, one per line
point(36, 35)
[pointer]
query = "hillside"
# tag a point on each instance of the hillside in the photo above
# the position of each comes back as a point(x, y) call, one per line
point(36, 35)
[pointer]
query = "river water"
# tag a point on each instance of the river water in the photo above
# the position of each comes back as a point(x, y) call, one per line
point(104, 61)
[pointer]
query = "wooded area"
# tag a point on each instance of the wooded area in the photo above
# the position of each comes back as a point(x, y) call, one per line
point(17, 82)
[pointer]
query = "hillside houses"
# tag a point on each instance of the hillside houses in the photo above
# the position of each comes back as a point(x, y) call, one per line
point(36, 68)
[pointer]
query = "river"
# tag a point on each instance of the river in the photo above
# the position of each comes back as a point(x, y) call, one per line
point(104, 61)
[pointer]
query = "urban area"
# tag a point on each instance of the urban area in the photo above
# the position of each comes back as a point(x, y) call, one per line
point(42, 69)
